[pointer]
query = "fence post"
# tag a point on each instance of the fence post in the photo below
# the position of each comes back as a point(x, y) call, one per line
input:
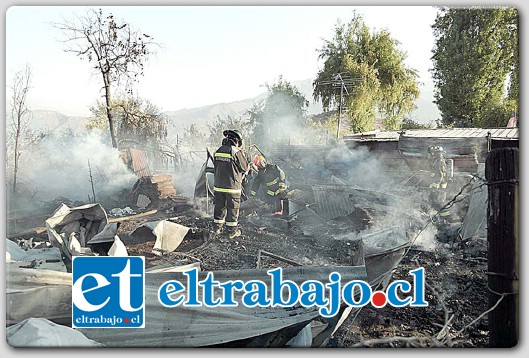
point(501, 172)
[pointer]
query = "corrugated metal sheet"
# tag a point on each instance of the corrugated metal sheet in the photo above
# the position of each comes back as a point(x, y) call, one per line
point(506, 133)
point(333, 201)
point(475, 222)
point(373, 136)
point(139, 162)
point(201, 326)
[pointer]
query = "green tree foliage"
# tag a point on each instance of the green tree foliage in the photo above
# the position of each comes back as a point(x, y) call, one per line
point(136, 121)
point(408, 123)
point(475, 54)
point(371, 68)
point(116, 51)
point(280, 115)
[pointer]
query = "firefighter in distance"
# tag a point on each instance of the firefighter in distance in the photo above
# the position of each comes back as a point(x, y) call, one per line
point(439, 181)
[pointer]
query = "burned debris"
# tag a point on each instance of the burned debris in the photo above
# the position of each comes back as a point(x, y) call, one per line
point(343, 216)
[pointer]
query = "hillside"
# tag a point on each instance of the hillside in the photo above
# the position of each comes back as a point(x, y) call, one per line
point(426, 112)
point(46, 120)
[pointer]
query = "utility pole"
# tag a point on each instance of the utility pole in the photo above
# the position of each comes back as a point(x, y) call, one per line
point(342, 86)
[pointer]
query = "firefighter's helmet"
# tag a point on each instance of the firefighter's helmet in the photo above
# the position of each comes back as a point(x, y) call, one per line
point(435, 149)
point(259, 161)
point(233, 134)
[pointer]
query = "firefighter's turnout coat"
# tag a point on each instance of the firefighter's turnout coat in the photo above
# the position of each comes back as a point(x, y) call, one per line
point(273, 179)
point(438, 185)
point(230, 166)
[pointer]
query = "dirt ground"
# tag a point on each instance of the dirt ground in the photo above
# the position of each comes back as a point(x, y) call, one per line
point(455, 273)
point(457, 294)
point(455, 277)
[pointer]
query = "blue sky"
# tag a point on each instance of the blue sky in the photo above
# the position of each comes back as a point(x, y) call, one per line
point(210, 54)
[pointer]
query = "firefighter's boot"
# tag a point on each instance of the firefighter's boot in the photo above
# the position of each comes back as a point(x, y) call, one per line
point(233, 233)
point(217, 229)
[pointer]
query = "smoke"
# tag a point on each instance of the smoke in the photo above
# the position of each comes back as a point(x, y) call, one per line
point(58, 166)
point(426, 239)
point(287, 130)
point(204, 207)
point(185, 179)
point(358, 166)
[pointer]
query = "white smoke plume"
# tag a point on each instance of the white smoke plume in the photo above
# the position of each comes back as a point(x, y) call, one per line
point(58, 167)
point(426, 239)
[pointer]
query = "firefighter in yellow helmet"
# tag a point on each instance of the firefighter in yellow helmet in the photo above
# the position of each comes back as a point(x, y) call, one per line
point(272, 177)
point(230, 167)
point(438, 184)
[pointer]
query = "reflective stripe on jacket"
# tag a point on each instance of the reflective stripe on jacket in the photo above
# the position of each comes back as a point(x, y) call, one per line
point(272, 177)
point(230, 165)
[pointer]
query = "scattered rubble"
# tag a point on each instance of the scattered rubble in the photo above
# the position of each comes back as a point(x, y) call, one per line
point(330, 226)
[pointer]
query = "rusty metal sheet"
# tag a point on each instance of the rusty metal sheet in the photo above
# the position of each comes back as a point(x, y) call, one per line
point(139, 162)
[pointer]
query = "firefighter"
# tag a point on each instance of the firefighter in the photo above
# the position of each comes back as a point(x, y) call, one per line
point(272, 177)
point(438, 185)
point(230, 167)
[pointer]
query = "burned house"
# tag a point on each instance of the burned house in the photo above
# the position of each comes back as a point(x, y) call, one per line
point(405, 151)
point(355, 209)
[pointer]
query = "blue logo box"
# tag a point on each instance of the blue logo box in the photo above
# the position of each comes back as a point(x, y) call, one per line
point(108, 292)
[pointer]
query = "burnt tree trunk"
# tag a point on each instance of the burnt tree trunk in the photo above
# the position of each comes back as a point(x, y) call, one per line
point(110, 115)
point(502, 175)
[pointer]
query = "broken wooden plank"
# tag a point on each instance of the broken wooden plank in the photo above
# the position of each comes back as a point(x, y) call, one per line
point(160, 178)
point(31, 232)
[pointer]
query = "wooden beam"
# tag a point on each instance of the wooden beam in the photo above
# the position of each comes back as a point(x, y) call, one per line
point(31, 232)
point(502, 174)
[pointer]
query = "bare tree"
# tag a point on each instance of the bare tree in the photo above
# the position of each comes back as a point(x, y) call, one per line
point(19, 115)
point(116, 51)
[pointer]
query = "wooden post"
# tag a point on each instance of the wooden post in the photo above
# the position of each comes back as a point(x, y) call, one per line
point(502, 175)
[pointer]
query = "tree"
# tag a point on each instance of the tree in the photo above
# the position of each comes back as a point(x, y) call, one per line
point(116, 50)
point(220, 124)
point(280, 114)
point(193, 137)
point(475, 53)
point(136, 120)
point(408, 123)
point(364, 75)
point(19, 116)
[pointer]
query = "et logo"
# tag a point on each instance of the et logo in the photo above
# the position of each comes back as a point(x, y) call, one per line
point(108, 292)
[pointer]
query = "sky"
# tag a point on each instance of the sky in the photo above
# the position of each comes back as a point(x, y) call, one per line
point(209, 54)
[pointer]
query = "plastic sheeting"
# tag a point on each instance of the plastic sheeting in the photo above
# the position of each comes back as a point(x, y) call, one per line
point(83, 230)
point(169, 235)
point(40, 332)
point(37, 293)
point(70, 229)
point(202, 326)
point(475, 222)
point(46, 258)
